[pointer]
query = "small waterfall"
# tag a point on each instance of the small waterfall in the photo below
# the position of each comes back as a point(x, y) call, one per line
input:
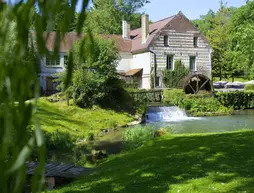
point(166, 114)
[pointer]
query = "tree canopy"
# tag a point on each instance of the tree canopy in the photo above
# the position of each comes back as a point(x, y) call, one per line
point(105, 16)
point(230, 33)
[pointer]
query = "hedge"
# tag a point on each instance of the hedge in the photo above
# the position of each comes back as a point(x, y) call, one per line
point(249, 87)
point(237, 99)
point(198, 105)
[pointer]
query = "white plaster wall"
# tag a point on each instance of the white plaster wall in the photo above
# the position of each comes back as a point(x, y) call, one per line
point(50, 71)
point(142, 60)
point(125, 62)
point(53, 69)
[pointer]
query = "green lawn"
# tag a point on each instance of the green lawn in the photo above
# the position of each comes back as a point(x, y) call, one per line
point(77, 121)
point(181, 163)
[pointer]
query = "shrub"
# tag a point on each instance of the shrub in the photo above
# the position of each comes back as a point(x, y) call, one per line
point(249, 87)
point(136, 136)
point(173, 78)
point(58, 141)
point(95, 80)
point(237, 99)
point(199, 104)
point(174, 97)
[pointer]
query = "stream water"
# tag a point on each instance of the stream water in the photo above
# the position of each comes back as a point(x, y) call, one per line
point(178, 122)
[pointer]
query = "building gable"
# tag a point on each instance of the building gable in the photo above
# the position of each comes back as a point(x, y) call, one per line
point(180, 23)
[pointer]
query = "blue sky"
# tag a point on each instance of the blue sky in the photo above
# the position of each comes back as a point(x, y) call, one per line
point(159, 9)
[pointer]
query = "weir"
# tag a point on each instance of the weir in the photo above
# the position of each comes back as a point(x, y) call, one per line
point(166, 114)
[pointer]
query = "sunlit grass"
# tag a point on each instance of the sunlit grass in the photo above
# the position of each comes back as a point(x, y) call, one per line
point(77, 121)
point(180, 163)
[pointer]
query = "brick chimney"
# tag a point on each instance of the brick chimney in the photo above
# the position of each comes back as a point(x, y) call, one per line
point(145, 27)
point(126, 30)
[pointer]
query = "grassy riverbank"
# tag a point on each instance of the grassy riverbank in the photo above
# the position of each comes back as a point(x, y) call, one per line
point(58, 117)
point(70, 131)
point(179, 163)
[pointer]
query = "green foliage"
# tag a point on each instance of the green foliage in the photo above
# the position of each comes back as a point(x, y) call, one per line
point(198, 105)
point(137, 136)
point(206, 22)
point(217, 27)
point(237, 99)
point(57, 141)
point(22, 36)
point(59, 118)
point(95, 80)
point(174, 78)
point(219, 40)
point(242, 38)
point(105, 17)
point(249, 87)
point(221, 162)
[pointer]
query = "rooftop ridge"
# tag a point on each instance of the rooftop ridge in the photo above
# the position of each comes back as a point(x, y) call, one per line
point(157, 21)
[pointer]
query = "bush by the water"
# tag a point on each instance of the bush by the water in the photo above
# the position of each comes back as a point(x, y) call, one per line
point(198, 105)
point(173, 78)
point(249, 87)
point(136, 136)
point(58, 140)
point(237, 99)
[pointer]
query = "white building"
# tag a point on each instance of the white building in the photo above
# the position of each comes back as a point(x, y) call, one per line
point(170, 39)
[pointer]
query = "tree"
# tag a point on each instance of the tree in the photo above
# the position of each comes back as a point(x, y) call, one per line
point(220, 42)
point(205, 23)
point(106, 15)
point(242, 38)
point(95, 77)
point(17, 75)
point(129, 7)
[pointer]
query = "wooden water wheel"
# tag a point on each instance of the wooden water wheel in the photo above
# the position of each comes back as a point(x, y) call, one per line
point(196, 83)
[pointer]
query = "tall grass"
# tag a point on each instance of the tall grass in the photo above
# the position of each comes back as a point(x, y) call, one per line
point(137, 136)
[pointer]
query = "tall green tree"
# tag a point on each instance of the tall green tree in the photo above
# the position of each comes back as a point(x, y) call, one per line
point(242, 38)
point(105, 16)
point(206, 22)
point(95, 76)
point(220, 42)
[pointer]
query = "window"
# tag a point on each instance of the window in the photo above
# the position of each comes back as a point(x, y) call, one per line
point(165, 40)
point(170, 61)
point(52, 62)
point(195, 42)
point(157, 81)
point(192, 63)
point(65, 60)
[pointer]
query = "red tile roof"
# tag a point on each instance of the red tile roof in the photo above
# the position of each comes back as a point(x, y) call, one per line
point(67, 42)
point(133, 72)
point(71, 37)
point(153, 29)
point(133, 45)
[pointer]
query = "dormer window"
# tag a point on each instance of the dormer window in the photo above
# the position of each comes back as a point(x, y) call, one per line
point(53, 62)
point(195, 42)
point(165, 40)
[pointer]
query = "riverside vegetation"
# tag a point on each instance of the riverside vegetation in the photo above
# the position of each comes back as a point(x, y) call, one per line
point(70, 131)
point(197, 105)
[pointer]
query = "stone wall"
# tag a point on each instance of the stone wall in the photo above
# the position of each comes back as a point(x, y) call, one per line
point(181, 35)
